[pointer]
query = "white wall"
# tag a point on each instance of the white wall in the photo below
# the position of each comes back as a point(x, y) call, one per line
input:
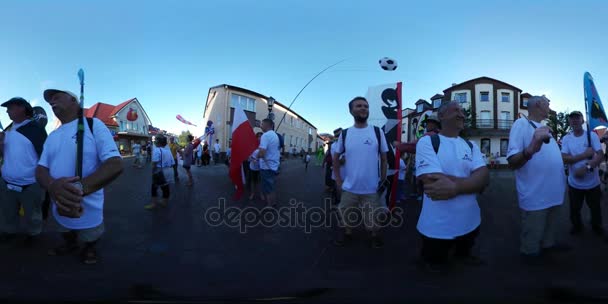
point(216, 112)
point(505, 106)
point(494, 146)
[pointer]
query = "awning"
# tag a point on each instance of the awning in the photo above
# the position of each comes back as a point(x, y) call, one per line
point(132, 134)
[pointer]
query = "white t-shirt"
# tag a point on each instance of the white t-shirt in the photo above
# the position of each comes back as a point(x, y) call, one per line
point(164, 154)
point(362, 159)
point(59, 156)
point(199, 150)
point(216, 147)
point(270, 143)
point(307, 158)
point(574, 145)
point(20, 157)
point(136, 149)
point(401, 169)
point(447, 219)
point(254, 163)
point(541, 182)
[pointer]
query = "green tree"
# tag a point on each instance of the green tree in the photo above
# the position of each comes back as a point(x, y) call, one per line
point(182, 139)
point(558, 123)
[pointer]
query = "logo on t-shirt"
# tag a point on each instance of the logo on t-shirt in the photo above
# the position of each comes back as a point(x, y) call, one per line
point(368, 141)
point(422, 164)
point(467, 157)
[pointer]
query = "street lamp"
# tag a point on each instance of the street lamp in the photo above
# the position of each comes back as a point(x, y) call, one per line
point(270, 105)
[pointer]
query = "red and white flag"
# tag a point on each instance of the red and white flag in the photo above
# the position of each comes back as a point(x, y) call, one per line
point(244, 143)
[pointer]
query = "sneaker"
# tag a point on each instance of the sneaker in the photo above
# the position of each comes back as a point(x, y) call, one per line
point(64, 249)
point(89, 255)
point(433, 267)
point(470, 260)
point(376, 242)
point(150, 206)
point(343, 240)
point(557, 248)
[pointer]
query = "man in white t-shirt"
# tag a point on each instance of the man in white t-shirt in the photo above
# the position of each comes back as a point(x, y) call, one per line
point(364, 150)
point(453, 172)
point(216, 151)
point(101, 164)
point(136, 149)
point(269, 158)
point(540, 181)
point(584, 178)
point(20, 146)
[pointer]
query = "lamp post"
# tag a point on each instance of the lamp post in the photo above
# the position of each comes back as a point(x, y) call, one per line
point(270, 105)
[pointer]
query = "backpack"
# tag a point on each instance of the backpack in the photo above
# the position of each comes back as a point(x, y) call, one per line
point(376, 130)
point(435, 142)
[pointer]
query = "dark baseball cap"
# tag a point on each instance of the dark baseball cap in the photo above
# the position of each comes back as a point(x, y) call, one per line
point(574, 113)
point(20, 101)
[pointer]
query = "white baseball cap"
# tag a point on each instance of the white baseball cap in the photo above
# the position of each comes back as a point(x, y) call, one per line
point(48, 94)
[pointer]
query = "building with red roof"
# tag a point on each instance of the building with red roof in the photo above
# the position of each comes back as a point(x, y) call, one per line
point(127, 121)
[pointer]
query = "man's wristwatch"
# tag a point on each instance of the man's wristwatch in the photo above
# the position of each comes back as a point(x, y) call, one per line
point(589, 168)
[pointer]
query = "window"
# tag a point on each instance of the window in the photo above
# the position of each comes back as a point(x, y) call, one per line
point(436, 103)
point(525, 102)
point(485, 146)
point(248, 104)
point(505, 120)
point(291, 123)
point(485, 96)
point(419, 108)
point(504, 146)
point(122, 125)
point(309, 131)
point(462, 97)
point(484, 120)
point(505, 97)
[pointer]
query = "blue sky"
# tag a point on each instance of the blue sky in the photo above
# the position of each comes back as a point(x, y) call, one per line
point(168, 54)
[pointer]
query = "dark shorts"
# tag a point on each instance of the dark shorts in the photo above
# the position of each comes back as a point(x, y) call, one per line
point(268, 177)
point(253, 176)
point(187, 167)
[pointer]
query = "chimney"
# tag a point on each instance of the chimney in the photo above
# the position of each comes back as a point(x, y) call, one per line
point(454, 84)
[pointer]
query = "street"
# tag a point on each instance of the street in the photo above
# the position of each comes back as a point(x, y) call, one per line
point(176, 254)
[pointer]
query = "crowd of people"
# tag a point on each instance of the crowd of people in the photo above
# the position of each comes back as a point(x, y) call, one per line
point(71, 166)
point(450, 171)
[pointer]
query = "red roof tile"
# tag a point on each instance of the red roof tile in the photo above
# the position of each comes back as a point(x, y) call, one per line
point(103, 112)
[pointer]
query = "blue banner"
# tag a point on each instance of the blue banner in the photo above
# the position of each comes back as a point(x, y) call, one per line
point(596, 115)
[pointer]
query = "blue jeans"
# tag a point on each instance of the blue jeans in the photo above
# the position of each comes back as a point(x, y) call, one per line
point(268, 177)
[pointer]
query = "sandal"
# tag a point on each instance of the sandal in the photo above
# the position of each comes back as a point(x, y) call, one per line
point(89, 255)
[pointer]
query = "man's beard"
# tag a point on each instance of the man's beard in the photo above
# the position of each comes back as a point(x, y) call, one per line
point(361, 119)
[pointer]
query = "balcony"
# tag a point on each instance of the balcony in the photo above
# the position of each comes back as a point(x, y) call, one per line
point(489, 127)
point(503, 124)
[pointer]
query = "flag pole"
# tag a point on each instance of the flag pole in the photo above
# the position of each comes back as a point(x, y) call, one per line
point(294, 99)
